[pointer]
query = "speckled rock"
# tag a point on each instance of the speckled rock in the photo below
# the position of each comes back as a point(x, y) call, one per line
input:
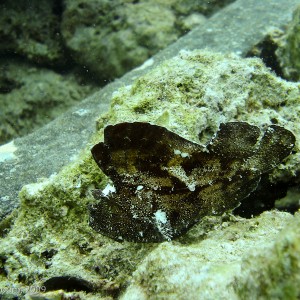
point(49, 236)
point(112, 37)
point(106, 37)
point(288, 52)
point(219, 266)
point(273, 274)
point(70, 132)
point(196, 91)
point(30, 97)
point(31, 29)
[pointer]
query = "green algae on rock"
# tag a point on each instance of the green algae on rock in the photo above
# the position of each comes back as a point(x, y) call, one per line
point(213, 267)
point(288, 50)
point(124, 34)
point(191, 93)
point(30, 97)
point(275, 275)
point(32, 31)
point(163, 183)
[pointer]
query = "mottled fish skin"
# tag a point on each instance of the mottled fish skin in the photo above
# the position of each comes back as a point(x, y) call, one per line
point(163, 183)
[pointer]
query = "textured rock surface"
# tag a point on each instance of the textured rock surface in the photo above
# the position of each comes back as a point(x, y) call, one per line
point(31, 29)
point(75, 37)
point(275, 275)
point(194, 93)
point(288, 52)
point(49, 235)
point(224, 264)
point(112, 37)
point(107, 37)
point(30, 97)
point(52, 147)
point(238, 27)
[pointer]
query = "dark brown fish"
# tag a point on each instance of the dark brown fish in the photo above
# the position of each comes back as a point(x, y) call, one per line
point(163, 184)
